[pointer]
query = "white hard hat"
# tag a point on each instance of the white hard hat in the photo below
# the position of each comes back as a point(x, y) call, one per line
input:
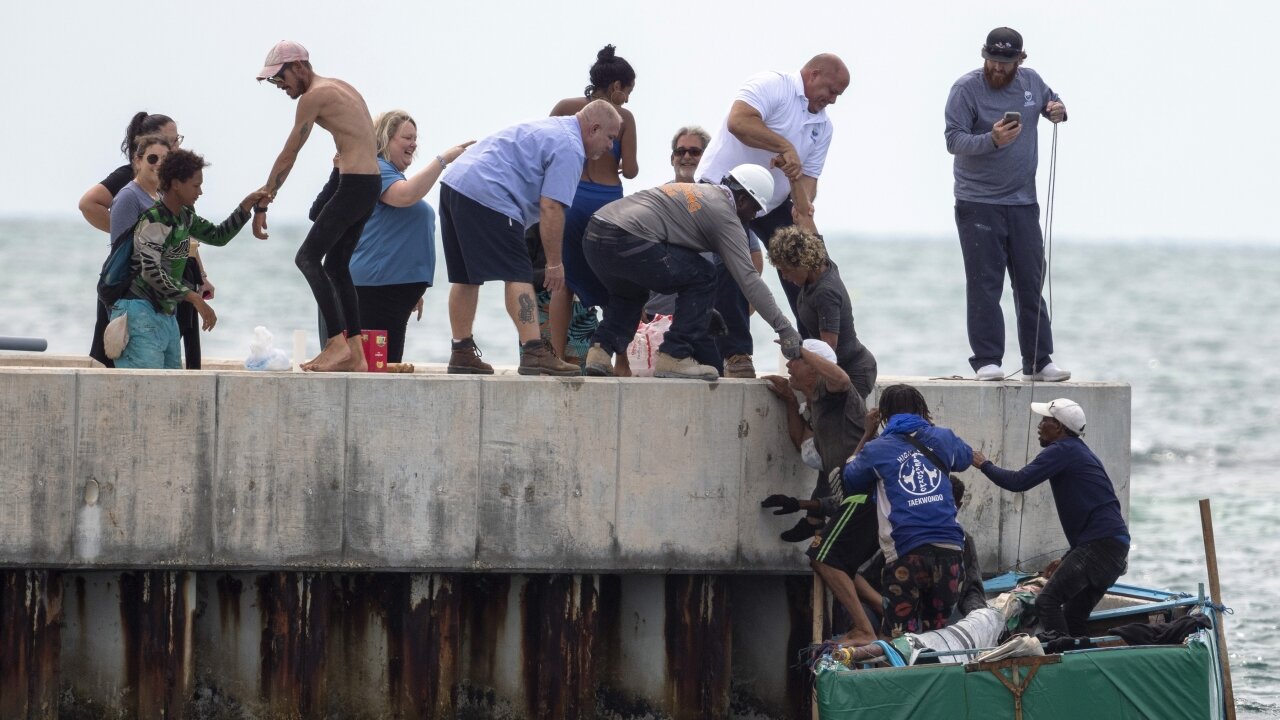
point(757, 181)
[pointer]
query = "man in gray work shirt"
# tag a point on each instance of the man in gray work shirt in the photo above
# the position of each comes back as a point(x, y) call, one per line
point(991, 129)
point(651, 240)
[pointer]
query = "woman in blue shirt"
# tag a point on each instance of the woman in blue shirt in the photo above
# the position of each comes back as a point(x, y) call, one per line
point(395, 262)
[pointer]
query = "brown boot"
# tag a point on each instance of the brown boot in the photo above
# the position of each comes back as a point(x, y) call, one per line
point(537, 358)
point(598, 361)
point(465, 359)
point(739, 366)
point(665, 366)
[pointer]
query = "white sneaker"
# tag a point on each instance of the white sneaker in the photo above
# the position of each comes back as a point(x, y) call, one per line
point(665, 366)
point(1049, 373)
point(990, 372)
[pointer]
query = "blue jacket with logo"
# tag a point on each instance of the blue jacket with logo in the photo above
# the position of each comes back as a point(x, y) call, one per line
point(913, 497)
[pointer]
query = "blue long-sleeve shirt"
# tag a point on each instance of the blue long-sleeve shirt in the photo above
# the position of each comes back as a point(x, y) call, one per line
point(1087, 505)
point(914, 501)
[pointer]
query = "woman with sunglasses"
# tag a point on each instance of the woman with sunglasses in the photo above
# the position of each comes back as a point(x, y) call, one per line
point(612, 79)
point(95, 204)
point(143, 190)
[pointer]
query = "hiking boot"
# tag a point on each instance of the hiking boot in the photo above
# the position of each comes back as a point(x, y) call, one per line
point(465, 359)
point(1049, 373)
point(599, 362)
point(665, 366)
point(537, 358)
point(739, 366)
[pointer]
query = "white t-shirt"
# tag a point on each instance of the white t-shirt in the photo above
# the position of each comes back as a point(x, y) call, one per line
point(780, 100)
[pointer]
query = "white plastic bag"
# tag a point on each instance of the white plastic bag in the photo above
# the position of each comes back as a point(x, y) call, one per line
point(116, 337)
point(643, 350)
point(263, 354)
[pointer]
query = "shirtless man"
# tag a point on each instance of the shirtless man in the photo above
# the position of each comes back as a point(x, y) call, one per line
point(323, 258)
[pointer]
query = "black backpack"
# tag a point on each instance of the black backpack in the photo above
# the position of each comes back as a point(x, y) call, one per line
point(118, 271)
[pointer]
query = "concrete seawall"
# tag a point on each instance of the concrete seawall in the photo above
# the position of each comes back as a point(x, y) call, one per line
point(244, 470)
point(236, 544)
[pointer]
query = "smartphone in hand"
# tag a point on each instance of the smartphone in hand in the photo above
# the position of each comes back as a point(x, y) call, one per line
point(1012, 118)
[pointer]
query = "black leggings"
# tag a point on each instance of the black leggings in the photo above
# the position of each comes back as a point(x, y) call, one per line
point(97, 350)
point(189, 318)
point(326, 253)
point(388, 307)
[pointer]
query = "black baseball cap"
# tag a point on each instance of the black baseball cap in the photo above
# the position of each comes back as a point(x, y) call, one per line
point(1003, 45)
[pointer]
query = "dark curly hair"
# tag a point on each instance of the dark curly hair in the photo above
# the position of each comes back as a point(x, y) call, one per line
point(142, 124)
point(792, 247)
point(608, 69)
point(179, 166)
point(898, 399)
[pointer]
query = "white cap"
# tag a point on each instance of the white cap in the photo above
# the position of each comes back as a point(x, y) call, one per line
point(820, 348)
point(1067, 412)
point(757, 181)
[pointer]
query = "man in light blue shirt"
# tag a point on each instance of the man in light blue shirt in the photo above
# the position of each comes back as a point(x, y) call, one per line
point(992, 115)
point(505, 183)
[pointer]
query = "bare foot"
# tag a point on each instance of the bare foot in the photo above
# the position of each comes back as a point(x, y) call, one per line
point(857, 639)
point(335, 357)
point(357, 363)
point(622, 365)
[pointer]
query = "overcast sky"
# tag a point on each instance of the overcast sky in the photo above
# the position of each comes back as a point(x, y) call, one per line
point(1171, 102)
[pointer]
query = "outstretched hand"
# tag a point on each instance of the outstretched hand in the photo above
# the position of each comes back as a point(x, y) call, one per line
point(785, 504)
point(452, 153)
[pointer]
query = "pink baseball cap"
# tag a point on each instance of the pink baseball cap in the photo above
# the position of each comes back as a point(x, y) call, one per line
point(285, 51)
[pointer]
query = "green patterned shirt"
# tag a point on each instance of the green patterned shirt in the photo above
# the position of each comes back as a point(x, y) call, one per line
point(160, 246)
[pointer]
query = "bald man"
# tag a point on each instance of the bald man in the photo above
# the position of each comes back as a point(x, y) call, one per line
point(524, 174)
point(779, 121)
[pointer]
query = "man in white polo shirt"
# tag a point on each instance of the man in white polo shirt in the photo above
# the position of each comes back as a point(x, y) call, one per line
point(779, 121)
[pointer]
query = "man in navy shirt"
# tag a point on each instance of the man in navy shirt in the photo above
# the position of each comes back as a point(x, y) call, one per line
point(1087, 508)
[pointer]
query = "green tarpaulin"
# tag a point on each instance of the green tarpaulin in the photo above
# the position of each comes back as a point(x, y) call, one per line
point(1164, 683)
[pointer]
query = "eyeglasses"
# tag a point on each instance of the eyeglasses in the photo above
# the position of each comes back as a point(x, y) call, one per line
point(690, 151)
point(153, 158)
point(178, 140)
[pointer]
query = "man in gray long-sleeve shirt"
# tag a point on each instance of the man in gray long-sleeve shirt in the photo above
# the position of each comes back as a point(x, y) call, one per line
point(991, 130)
point(651, 240)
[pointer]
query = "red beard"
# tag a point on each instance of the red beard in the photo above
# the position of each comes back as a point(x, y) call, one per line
point(997, 80)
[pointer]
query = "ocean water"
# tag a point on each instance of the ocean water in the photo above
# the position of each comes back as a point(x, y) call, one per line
point(1192, 327)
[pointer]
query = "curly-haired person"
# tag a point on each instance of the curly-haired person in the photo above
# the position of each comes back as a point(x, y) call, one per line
point(161, 240)
point(823, 308)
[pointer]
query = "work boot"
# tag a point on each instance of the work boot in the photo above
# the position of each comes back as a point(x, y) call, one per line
point(739, 366)
point(465, 359)
point(599, 362)
point(665, 366)
point(537, 358)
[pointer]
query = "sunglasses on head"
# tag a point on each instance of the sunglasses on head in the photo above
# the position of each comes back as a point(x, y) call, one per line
point(690, 151)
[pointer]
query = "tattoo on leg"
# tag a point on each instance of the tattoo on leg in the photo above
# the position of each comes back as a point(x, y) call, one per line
point(526, 308)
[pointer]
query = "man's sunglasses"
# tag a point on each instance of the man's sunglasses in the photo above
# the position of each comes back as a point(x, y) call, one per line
point(278, 78)
point(690, 151)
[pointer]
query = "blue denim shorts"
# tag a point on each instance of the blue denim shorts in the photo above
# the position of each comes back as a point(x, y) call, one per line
point(154, 341)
